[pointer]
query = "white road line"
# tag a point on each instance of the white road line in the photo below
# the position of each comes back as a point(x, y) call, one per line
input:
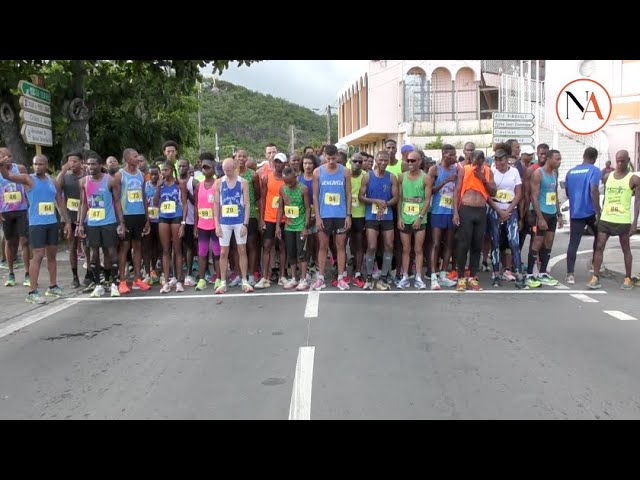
point(584, 298)
point(619, 315)
point(339, 292)
point(311, 309)
point(559, 258)
point(40, 314)
point(562, 286)
point(300, 407)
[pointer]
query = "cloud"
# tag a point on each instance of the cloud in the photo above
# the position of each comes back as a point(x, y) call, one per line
point(311, 83)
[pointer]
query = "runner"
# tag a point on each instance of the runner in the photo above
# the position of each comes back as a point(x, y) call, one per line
point(188, 240)
point(544, 196)
point(414, 190)
point(136, 219)
point(207, 239)
point(232, 217)
point(269, 203)
point(15, 220)
point(44, 195)
point(620, 186)
point(253, 245)
point(295, 208)
point(69, 180)
point(357, 235)
point(172, 198)
point(503, 215)
point(474, 186)
point(151, 251)
point(309, 164)
point(443, 178)
point(379, 193)
point(331, 189)
point(99, 212)
point(581, 184)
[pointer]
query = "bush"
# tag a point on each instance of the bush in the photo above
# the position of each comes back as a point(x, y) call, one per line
point(435, 145)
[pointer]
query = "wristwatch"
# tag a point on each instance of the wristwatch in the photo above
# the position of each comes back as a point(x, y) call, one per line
point(183, 222)
point(421, 216)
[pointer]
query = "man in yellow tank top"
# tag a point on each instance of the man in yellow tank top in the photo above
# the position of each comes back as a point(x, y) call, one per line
point(615, 219)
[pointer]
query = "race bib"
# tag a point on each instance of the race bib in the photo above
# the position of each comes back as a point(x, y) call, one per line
point(332, 199)
point(168, 207)
point(551, 198)
point(374, 209)
point(505, 196)
point(615, 210)
point(446, 201)
point(73, 204)
point(291, 211)
point(412, 209)
point(96, 214)
point(154, 213)
point(205, 213)
point(12, 197)
point(354, 201)
point(134, 196)
point(275, 202)
point(46, 208)
point(230, 210)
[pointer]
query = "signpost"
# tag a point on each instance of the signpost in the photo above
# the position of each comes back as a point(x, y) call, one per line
point(516, 126)
point(35, 114)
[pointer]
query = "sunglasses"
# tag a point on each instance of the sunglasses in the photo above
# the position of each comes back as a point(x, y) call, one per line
point(207, 167)
point(411, 161)
point(356, 161)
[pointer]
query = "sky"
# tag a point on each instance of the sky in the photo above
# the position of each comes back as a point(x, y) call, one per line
point(311, 83)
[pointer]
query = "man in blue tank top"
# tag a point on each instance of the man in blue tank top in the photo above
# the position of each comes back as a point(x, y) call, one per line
point(379, 193)
point(332, 196)
point(544, 196)
point(136, 219)
point(44, 195)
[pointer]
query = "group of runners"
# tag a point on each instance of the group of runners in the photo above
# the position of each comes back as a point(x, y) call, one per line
point(368, 221)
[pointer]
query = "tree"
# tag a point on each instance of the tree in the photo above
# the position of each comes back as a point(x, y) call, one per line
point(128, 102)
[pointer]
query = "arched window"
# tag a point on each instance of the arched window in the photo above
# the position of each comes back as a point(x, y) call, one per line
point(442, 94)
point(416, 96)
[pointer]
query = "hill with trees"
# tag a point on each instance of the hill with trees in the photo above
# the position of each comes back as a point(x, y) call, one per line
point(247, 119)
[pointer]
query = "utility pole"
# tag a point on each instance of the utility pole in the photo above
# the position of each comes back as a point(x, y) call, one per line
point(199, 118)
point(292, 139)
point(328, 124)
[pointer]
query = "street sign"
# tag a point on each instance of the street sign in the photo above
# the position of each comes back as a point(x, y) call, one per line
point(512, 116)
point(32, 91)
point(520, 140)
point(513, 124)
point(33, 106)
point(35, 118)
point(37, 135)
point(513, 132)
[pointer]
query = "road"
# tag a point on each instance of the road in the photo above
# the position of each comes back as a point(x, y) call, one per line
point(553, 353)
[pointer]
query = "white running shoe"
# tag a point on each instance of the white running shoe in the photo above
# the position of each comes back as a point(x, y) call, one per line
point(179, 287)
point(189, 281)
point(98, 291)
point(114, 290)
point(166, 288)
point(289, 284)
point(303, 285)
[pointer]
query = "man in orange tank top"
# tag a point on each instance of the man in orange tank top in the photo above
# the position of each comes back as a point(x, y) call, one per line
point(475, 185)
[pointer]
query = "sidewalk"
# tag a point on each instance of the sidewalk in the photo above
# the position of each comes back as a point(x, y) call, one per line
point(12, 299)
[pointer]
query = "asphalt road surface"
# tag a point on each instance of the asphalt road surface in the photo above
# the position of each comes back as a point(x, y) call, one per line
point(551, 353)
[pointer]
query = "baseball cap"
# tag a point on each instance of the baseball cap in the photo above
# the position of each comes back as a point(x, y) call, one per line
point(280, 156)
point(407, 148)
point(342, 146)
point(500, 153)
point(527, 149)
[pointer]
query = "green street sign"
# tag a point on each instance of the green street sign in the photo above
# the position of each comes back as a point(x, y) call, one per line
point(32, 91)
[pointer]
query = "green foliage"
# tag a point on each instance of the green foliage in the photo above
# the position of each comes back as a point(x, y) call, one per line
point(247, 119)
point(133, 103)
point(435, 144)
